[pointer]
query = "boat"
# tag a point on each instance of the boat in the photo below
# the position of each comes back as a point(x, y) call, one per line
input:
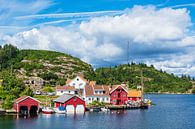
point(2, 112)
point(105, 109)
point(95, 109)
point(60, 110)
point(47, 110)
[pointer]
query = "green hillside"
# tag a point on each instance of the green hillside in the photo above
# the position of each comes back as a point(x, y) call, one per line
point(25, 70)
point(154, 80)
point(22, 71)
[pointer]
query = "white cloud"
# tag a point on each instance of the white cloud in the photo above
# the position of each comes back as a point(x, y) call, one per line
point(142, 24)
point(105, 38)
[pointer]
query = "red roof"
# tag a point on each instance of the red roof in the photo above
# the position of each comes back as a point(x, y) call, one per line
point(117, 86)
point(20, 98)
point(23, 98)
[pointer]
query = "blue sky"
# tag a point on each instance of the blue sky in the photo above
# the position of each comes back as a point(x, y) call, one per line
point(159, 32)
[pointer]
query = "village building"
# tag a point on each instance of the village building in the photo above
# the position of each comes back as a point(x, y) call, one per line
point(78, 82)
point(118, 95)
point(93, 92)
point(60, 90)
point(26, 105)
point(134, 95)
point(72, 103)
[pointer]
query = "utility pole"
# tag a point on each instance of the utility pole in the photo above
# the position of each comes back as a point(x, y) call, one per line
point(127, 52)
point(142, 84)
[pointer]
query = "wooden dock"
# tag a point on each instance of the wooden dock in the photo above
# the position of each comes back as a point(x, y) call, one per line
point(122, 107)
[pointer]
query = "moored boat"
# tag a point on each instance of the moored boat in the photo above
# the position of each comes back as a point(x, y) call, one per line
point(60, 110)
point(105, 109)
point(47, 110)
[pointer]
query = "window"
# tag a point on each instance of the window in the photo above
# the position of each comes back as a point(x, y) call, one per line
point(68, 91)
point(73, 84)
point(61, 91)
point(107, 99)
point(96, 92)
point(102, 99)
point(89, 98)
point(77, 79)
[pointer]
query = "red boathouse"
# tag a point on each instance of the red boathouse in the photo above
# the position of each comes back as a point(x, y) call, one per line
point(118, 95)
point(72, 103)
point(26, 105)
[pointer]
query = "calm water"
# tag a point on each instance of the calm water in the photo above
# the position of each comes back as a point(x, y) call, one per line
point(170, 112)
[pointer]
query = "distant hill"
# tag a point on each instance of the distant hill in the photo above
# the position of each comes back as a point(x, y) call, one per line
point(154, 80)
point(41, 67)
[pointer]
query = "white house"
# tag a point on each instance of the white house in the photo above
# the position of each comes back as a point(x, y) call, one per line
point(60, 90)
point(78, 82)
point(96, 92)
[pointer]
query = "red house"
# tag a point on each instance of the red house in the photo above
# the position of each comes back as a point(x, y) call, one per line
point(118, 95)
point(26, 105)
point(134, 95)
point(72, 103)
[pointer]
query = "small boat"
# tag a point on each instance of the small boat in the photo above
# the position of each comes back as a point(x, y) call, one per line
point(105, 109)
point(95, 109)
point(2, 112)
point(47, 110)
point(60, 110)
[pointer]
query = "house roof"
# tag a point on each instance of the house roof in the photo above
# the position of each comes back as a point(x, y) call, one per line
point(20, 99)
point(134, 93)
point(89, 90)
point(116, 86)
point(68, 81)
point(82, 78)
point(65, 88)
point(63, 98)
point(92, 83)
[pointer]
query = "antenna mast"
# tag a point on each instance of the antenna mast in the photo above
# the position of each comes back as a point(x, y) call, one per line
point(142, 83)
point(127, 52)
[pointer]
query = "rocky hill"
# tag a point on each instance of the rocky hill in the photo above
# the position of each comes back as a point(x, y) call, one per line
point(39, 68)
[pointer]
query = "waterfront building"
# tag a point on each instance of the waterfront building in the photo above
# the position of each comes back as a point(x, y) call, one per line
point(93, 92)
point(118, 95)
point(134, 95)
point(72, 103)
point(26, 105)
point(60, 90)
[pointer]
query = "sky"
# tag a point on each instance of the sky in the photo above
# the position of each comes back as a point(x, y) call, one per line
point(106, 33)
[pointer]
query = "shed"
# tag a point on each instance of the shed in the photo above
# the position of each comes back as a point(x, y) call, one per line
point(134, 95)
point(72, 103)
point(26, 105)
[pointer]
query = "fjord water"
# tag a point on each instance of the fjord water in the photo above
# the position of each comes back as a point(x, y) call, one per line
point(170, 112)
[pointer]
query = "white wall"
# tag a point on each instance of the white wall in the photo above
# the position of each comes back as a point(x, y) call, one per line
point(78, 83)
point(90, 99)
point(61, 92)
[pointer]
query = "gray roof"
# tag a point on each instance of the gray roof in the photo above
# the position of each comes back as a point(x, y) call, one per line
point(63, 98)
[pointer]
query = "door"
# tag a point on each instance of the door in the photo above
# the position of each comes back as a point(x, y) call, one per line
point(69, 109)
point(80, 109)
